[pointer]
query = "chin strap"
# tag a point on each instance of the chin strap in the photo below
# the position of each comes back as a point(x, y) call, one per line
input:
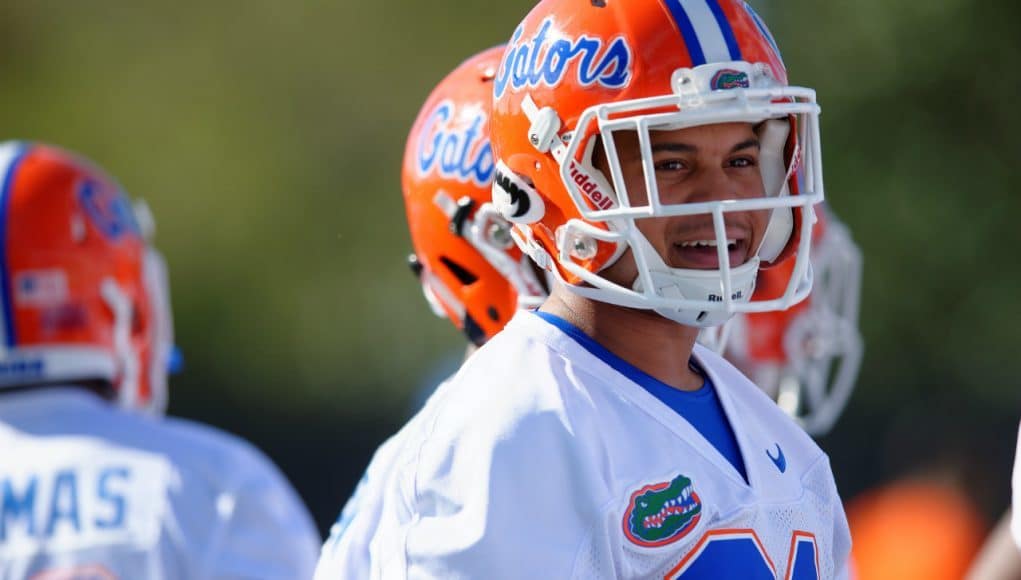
point(544, 131)
point(715, 338)
point(161, 331)
point(127, 359)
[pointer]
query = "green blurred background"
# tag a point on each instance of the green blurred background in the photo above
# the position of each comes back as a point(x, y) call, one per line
point(267, 138)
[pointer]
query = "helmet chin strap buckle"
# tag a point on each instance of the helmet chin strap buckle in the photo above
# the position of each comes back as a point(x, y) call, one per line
point(543, 132)
point(578, 245)
point(544, 129)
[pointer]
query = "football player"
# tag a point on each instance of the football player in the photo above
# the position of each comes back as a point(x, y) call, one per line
point(652, 157)
point(808, 356)
point(94, 481)
point(469, 268)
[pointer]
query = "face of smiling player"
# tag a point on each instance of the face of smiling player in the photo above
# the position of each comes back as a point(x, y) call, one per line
point(696, 164)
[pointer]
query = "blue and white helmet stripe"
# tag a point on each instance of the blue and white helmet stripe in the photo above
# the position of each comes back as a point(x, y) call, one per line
point(11, 154)
point(706, 31)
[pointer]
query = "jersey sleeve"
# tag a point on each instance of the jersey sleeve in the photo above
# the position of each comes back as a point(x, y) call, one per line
point(345, 554)
point(502, 504)
point(265, 531)
point(841, 541)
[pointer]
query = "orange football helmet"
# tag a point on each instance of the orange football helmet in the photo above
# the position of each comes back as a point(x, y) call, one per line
point(807, 357)
point(464, 256)
point(577, 73)
point(83, 295)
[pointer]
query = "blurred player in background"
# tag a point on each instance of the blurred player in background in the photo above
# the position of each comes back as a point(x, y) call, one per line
point(470, 270)
point(589, 439)
point(807, 357)
point(896, 536)
point(94, 482)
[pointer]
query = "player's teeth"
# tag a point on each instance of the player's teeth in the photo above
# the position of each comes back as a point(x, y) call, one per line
point(706, 243)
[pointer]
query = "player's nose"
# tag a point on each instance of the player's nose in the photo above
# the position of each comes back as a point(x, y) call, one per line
point(709, 183)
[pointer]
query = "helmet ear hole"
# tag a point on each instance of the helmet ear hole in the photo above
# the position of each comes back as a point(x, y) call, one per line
point(460, 272)
point(473, 331)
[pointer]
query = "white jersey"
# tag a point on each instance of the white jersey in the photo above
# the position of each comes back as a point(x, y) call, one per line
point(540, 460)
point(90, 491)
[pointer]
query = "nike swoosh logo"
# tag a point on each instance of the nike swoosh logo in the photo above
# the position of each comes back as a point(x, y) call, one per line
point(779, 461)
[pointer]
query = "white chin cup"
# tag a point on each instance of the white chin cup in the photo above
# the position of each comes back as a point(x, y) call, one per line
point(702, 285)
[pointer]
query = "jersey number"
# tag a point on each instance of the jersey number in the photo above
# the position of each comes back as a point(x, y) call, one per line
point(733, 554)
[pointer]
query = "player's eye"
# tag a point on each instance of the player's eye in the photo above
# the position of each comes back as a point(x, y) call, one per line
point(742, 161)
point(671, 165)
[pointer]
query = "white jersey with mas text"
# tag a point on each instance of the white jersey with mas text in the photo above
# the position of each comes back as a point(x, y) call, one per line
point(90, 491)
point(539, 460)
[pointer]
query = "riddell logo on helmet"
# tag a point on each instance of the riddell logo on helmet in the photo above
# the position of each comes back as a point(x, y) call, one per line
point(458, 152)
point(541, 60)
point(589, 186)
point(735, 296)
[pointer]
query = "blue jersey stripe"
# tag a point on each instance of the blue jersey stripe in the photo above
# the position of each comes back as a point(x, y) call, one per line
point(680, 17)
point(6, 286)
point(728, 31)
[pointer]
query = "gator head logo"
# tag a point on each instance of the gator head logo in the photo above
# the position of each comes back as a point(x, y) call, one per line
point(729, 79)
point(662, 513)
point(108, 208)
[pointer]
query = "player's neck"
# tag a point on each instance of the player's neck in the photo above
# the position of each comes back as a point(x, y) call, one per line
point(657, 346)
